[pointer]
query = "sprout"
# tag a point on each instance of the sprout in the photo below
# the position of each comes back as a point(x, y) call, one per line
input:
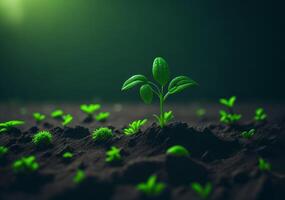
point(260, 115)
point(42, 138)
point(201, 112)
point(263, 165)
point(113, 155)
point(39, 117)
point(248, 134)
point(67, 119)
point(25, 165)
point(102, 116)
point(160, 71)
point(3, 151)
point(6, 126)
point(134, 127)
point(177, 150)
point(67, 155)
point(90, 109)
point(79, 176)
point(229, 117)
point(203, 192)
point(229, 103)
point(57, 114)
point(151, 187)
point(102, 134)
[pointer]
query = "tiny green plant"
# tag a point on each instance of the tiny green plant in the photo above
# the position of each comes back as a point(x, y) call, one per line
point(6, 126)
point(57, 114)
point(90, 109)
point(134, 127)
point(42, 138)
point(67, 119)
point(229, 117)
point(202, 191)
point(102, 116)
point(113, 155)
point(151, 187)
point(3, 151)
point(67, 155)
point(25, 165)
point(248, 134)
point(201, 112)
point(102, 134)
point(39, 117)
point(260, 115)
point(160, 72)
point(79, 176)
point(177, 150)
point(263, 165)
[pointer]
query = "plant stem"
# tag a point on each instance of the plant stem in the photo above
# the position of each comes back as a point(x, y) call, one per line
point(161, 101)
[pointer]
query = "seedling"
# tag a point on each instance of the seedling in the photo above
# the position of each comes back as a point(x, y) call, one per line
point(263, 165)
point(102, 134)
point(90, 109)
point(57, 114)
point(25, 165)
point(178, 150)
point(6, 126)
point(229, 117)
point(151, 187)
point(248, 134)
point(201, 112)
point(66, 119)
point(42, 138)
point(39, 117)
point(260, 115)
point(202, 191)
point(79, 176)
point(102, 116)
point(113, 155)
point(160, 71)
point(134, 127)
point(3, 151)
point(67, 155)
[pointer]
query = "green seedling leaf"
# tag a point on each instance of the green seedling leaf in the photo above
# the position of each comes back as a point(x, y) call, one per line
point(42, 138)
point(202, 191)
point(66, 119)
point(5, 126)
point(200, 112)
point(263, 165)
point(151, 187)
point(89, 109)
point(180, 83)
point(79, 176)
point(113, 155)
point(3, 151)
point(39, 117)
point(134, 127)
point(102, 134)
point(260, 115)
point(146, 93)
point(102, 116)
point(57, 114)
point(67, 155)
point(25, 165)
point(133, 81)
point(229, 118)
point(248, 134)
point(228, 102)
point(178, 150)
point(160, 71)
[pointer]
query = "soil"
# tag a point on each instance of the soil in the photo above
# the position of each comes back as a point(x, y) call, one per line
point(218, 155)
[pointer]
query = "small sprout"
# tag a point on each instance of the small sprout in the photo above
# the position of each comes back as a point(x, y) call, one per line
point(151, 187)
point(102, 134)
point(263, 165)
point(248, 134)
point(201, 112)
point(134, 127)
point(102, 116)
point(228, 102)
point(260, 115)
point(90, 109)
point(161, 75)
point(67, 119)
point(3, 151)
point(6, 126)
point(167, 117)
point(229, 118)
point(113, 155)
point(79, 176)
point(42, 138)
point(39, 117)
point(25, 165)
point(67, 155)
point(57, 114)
point(178, 150)
point(203, 192)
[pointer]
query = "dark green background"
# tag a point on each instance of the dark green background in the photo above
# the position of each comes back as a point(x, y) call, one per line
point(85, 49)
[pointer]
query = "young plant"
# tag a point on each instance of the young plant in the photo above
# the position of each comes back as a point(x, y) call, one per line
point(178, 150)
point(102, 134)
point(160, 72)
point(66, 119)
point(248, 134)
point(202, 191)
point(3, 151)
point(90, 109)
point(113, 155)
point(79, 176)
point(229, 117)
point(67, 155)
point(6, 126)
point(57, 114)
point(38, 117)
point(134, 127)
point(263, 165)
point(151, 187)
point(42, 138)
point(25, 165)
point(201, 112)
point(260, 115)
point(102, 116)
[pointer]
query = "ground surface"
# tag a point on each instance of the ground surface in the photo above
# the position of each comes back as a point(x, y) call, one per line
point(218, 154)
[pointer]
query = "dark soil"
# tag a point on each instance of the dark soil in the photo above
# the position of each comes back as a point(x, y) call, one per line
point(218, 155)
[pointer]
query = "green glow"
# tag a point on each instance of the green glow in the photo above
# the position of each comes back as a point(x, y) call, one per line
point(12, 11)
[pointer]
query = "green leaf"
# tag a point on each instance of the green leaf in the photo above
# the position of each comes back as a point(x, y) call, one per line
point(133, 81)
point(178, 150)
point(160, 71)
point(146, 93)
point(180, 83)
